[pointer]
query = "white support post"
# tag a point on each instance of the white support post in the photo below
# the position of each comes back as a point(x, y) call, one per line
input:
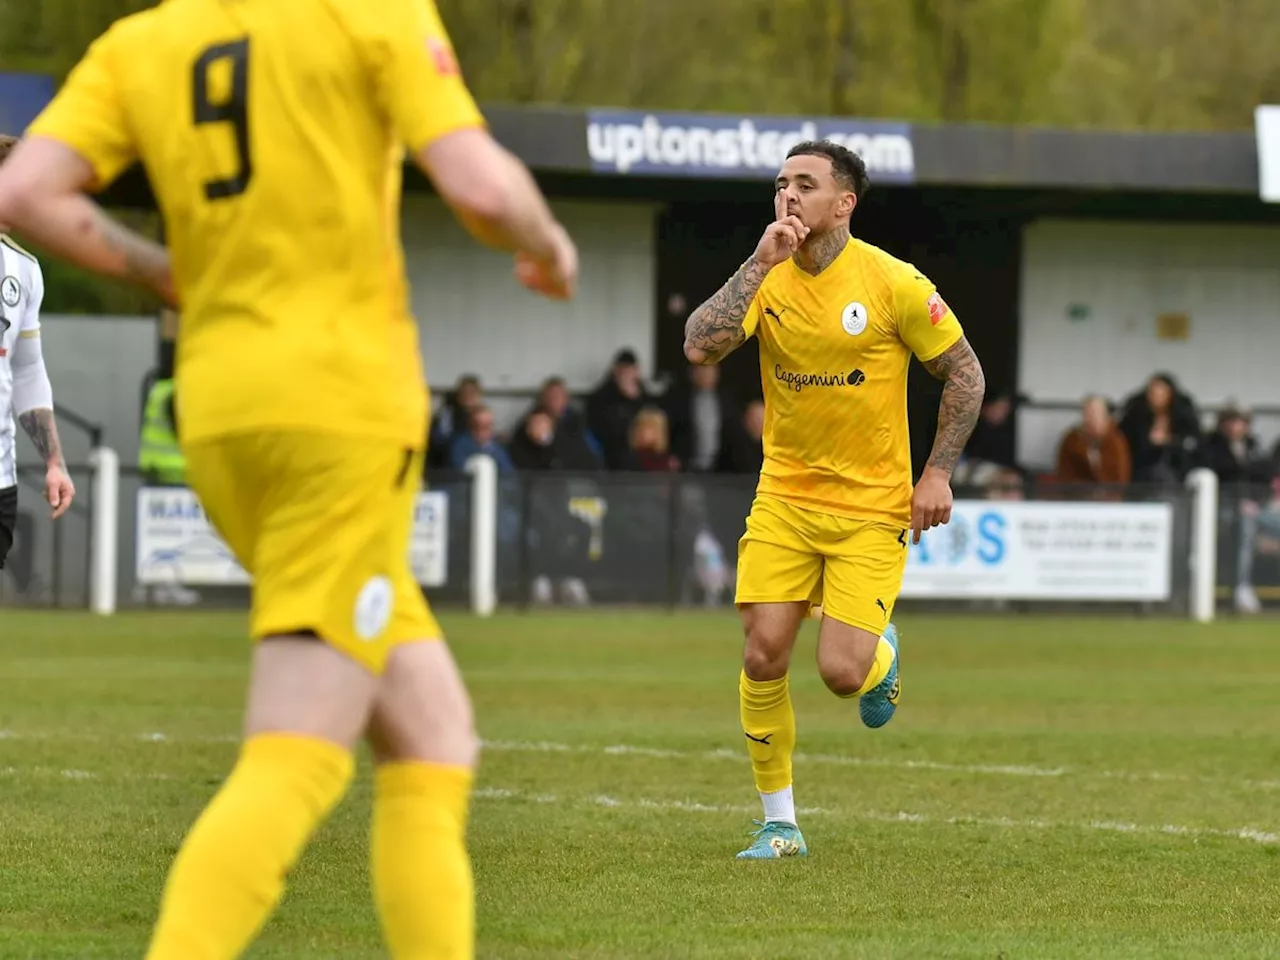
point(104, 537)
point(484, 534)
point(1204, 543)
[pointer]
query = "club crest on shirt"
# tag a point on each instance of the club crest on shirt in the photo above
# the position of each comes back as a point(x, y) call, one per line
point(10, 291)
point(854, 319)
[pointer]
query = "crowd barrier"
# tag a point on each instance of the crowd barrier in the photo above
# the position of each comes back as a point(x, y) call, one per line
point(484, 540)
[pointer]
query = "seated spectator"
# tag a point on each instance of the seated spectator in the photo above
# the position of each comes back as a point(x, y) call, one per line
point(698, 412)
point(479, 437)
point(1245, 473)
point(1095, 451)
point(991, 450)
point(554, 399)
point(1232, 452)
point(542, 445)
point(743, 449)
point(650, 450)
point(451, 418)
point(613, 407)
point(1163, 431)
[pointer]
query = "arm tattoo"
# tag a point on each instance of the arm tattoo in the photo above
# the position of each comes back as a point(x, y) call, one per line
point(43, 431)
point(145, 261)
point(962, 395)
point(715, 328)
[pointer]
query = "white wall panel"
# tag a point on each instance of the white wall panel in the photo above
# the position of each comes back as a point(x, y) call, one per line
point(476, 318)
point(97, 365)
point(1091, 295)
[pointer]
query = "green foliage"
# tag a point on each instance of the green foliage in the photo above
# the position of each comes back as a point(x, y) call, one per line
point(1159, 64)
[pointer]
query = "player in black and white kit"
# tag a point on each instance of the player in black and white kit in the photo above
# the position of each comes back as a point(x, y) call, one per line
point(25, 392)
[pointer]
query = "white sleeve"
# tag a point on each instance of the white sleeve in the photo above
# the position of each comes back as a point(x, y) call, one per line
point(31, 316)
point(31, 387)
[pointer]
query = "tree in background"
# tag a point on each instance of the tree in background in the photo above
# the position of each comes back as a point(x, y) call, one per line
point(1121, 64)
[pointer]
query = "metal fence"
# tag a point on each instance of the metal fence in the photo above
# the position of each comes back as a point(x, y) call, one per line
point(658, 540)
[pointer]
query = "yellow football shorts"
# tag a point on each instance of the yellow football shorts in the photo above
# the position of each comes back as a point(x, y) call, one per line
point(853, 568)
point(321, 522)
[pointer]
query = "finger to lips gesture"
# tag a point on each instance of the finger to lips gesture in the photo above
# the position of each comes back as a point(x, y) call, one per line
point(783, 237)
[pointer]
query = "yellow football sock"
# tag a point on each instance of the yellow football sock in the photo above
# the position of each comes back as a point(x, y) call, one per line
point(229, 874)
point(421, 872)
point(770, 726)
point(879, 668)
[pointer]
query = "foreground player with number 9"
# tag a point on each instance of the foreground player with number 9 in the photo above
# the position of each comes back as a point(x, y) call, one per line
point(273, 135)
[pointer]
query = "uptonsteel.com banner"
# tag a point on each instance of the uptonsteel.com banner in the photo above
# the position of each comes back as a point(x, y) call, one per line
point(724, 145)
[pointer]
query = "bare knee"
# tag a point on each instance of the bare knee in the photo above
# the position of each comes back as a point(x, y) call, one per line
point(422, 710)
point(844, 678)
point(845, 656)
point(770, 636)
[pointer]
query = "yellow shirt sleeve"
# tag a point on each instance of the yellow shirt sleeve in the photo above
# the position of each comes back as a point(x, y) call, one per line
point(88, 114)
point(417, 76)
point(925, 323)
point(751, 322)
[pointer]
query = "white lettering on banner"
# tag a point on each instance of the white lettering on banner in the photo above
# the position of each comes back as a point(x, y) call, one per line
point(627, 143)
point(1267, 133)
point(175, 542)
point(1045, 551)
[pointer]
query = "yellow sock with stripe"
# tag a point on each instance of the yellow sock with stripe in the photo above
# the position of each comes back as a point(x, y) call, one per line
point(230, 873)
point(879, 668)
point(769, 723)
point(422, 879)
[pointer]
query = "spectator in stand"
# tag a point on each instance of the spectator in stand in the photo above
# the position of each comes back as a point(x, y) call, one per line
point(698, 412)
point(451, 419)
point(743, 449)
point(1163, 431)
point(613, 407)
point(990, 451)
point(1095, 452)
point(650, 450)
point(557, 542)
point(554, 399)
point(479, 437)
point(1245, 473)
point(541, 444)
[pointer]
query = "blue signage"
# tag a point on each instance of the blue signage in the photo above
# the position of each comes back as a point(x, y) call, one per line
point(722, 145)
point(22, 97)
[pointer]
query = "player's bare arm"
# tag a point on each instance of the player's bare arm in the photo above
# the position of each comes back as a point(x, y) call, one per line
point(43, 195)
point(963, 388)
point(43, 431)
point(496, 198)
point(42, 428)
point(715, 329)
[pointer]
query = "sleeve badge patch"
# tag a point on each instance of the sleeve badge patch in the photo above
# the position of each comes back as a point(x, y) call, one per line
point(937, 308)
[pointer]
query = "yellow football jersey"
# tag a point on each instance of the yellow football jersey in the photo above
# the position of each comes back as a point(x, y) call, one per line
point(274, 135)
point(834, 352)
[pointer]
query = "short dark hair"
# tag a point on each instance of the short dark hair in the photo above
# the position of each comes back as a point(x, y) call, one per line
point(846, 166)
point(7, 144)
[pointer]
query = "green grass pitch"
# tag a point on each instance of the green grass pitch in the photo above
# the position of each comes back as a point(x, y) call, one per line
point(1051, 788)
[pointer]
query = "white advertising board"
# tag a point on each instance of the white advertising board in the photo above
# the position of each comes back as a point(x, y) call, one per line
point(176, 544)
point(1016, 550)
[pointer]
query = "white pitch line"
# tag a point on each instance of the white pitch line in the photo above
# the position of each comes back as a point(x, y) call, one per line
point(1252, 834)
point(1264, 837)
point(982, 769)
point(721, 754)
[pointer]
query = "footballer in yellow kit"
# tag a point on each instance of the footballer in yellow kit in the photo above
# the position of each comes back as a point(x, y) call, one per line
point(310, 369)
point(274, 136)
point(837, 321)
